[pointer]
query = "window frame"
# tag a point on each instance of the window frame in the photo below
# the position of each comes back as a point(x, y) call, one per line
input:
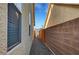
point(19, 26)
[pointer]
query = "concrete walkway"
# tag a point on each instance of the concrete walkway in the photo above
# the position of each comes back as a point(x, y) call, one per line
point(39, 49)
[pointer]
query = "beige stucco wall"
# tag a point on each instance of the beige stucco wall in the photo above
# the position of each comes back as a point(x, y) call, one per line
point(61, 13)
point(3, 28)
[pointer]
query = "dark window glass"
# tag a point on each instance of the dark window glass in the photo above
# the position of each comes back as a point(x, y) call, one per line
point(14, 26)
point(29, 30)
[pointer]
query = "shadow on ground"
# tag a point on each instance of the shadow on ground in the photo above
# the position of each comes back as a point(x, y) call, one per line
point(39, 49)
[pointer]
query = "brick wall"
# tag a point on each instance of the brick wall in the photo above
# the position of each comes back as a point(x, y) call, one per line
point(63, 38)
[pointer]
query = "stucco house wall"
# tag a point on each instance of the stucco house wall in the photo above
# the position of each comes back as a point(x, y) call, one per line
point(61, 13)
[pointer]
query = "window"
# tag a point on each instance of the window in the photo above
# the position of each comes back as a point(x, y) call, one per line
point(29, 30)
point(30, 23)
point(14, 26)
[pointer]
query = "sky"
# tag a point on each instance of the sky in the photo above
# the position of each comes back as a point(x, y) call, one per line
point(40, 14)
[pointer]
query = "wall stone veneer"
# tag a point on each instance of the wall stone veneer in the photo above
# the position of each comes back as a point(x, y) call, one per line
point(3, 28)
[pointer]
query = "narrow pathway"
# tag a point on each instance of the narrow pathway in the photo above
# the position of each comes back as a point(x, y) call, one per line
point(39, 49)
